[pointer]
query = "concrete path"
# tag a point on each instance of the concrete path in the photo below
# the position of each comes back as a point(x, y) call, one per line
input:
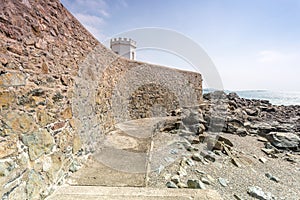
point(95, 173)
point(122, 164)
point(131, 193)
point(122, 158)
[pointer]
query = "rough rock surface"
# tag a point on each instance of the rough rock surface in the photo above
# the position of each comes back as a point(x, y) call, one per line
point(249, 149)
point(60, 89)
point(235, 115)
point(284, 140)
point(41, 46)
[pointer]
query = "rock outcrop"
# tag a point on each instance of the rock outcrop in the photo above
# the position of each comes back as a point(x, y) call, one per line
point(247, 146)
point(279, 124)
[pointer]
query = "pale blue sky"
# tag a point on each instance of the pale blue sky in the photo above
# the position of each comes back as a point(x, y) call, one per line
point(255, 44)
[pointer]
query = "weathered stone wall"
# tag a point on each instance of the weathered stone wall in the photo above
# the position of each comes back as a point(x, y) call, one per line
point(160, 102)
point(41, 47)
point(106, 92)
point(60, 89)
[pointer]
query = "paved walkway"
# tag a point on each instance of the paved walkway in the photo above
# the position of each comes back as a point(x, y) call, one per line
point(131, 193)
point(122, 164)
point(122, 158)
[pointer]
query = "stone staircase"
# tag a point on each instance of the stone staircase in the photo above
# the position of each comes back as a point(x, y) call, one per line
point(130, 193)
point(119, 170)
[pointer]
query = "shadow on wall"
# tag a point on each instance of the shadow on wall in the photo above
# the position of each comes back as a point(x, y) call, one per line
point(152, 100)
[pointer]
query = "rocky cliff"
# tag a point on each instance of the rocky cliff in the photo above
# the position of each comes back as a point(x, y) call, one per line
point(60, 89)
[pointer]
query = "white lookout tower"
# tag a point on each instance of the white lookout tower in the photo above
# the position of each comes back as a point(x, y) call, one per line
point(124, 47)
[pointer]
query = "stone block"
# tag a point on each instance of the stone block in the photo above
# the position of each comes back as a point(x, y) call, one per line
point(43, 118)
point(9, 79)
point(34, 185)
point(8, 146)
point(6, 98)
point(67, 113)
point(77, 145)
point(20, 123)
point(38, 143)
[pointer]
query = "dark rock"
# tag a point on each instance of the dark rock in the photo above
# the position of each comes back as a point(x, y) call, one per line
point(284, 140)
point(268, 145)
point(233, 125)
point(213, 144)
point(232, 105)
point(272, 178)
point(196, 157)
point(284, 127)
point(170, 125)
point(195, 140)
point(242, 132)
point(251, 112)
point(202, 137)
point(233, 96)
point(270, 152)
point(190, 162)
point(171, 184)
point(175, 179)
point(225, 140)
point(263, 160)
point(195, 184)
point(262, 139)
point(218, 143)
point(291, 160)
point(182, 172)
point(264, 128)
point(209, 155)
point(237, 197)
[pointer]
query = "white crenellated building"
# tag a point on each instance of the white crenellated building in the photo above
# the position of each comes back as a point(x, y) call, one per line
point(124, 47)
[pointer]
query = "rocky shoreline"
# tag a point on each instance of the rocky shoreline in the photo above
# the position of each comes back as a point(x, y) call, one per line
point(279, 124)
point(242, 148)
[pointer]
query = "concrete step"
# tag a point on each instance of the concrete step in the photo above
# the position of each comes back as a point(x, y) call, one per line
point(122, 158)
point(130, 193)
point(97, 174)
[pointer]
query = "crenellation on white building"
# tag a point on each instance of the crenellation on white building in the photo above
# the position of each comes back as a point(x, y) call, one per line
point(124, 47)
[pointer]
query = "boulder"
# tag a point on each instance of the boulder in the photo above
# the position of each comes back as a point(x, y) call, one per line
point(232, 96)
point(284, 140)
point(175, 179)
point(258, 193)
point(170, 184)
point(209, 155)
point(196, 157)
point(195, 184)
point(251, 112)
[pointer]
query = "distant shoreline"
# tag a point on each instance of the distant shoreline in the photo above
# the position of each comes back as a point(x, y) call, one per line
point(275, 97)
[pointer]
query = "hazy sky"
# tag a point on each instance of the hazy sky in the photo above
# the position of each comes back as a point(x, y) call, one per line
point(255, 44)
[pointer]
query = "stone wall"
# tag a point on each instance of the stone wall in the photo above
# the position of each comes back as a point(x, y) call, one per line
point(60, 89)
point(41, 48)
point(107, 92)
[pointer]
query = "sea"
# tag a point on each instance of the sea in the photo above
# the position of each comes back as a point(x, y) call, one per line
point(275, 97)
